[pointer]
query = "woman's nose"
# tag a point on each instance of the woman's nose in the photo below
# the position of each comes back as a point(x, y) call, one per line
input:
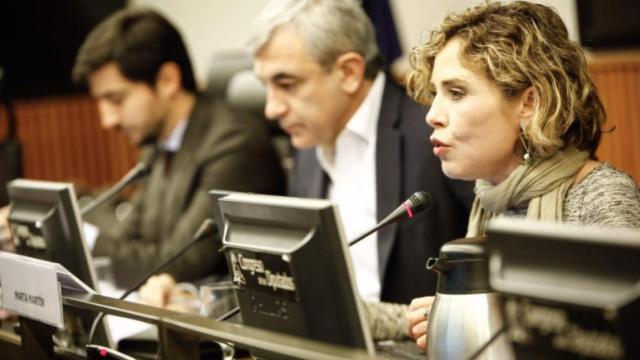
point(436, 117)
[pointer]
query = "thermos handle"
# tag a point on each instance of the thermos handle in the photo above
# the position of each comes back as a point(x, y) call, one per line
point(437, 265)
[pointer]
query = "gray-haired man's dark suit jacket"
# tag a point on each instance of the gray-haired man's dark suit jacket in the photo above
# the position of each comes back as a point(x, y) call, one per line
point(404, 164)
point(220, 150)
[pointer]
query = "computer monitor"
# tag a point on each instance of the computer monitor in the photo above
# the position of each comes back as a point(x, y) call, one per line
point(567, 291)
point(45, 224)
point(291, 269)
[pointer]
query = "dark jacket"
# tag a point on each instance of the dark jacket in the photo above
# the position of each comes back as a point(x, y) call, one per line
point(404, 164)
point(220, 150)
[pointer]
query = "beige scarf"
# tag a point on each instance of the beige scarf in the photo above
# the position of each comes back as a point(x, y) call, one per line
point(545, 183)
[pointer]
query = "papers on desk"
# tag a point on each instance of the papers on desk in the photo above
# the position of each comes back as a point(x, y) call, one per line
point(122, 328)
point(119, 327)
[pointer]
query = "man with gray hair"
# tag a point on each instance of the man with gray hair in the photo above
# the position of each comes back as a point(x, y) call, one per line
point(362, 142)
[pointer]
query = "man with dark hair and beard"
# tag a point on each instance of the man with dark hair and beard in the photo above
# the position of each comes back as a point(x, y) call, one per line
point(137, 68)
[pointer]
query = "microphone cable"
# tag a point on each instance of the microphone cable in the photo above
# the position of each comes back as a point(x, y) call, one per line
point(207, 229)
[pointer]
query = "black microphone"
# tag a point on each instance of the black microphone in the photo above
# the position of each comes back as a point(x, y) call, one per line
point(142, 169)
point(206, 230)
point(417, 202)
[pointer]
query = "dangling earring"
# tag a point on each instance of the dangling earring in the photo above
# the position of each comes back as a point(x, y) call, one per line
point(523, 139)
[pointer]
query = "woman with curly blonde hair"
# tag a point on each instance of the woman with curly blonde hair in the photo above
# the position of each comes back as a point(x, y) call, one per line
point(513, 107)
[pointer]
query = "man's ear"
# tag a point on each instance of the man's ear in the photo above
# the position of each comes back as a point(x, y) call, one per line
point(351, 66)
point(168, 80)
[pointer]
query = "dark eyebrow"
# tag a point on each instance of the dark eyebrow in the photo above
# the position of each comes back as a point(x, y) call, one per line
point(283, 76)
point(454, 81)
point(110, 95)
point(448, 83)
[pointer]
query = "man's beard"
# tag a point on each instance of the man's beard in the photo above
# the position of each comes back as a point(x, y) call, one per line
point(148, 140)
point(153, 136)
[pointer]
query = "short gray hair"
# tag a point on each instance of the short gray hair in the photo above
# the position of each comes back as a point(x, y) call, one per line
point(329, 28)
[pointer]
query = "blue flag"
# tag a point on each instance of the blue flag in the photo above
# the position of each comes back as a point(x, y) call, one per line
point(379, 11)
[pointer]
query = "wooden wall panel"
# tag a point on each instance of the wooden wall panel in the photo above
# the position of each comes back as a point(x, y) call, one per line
point(3, 123)
point(62, 141)
point(617, 78)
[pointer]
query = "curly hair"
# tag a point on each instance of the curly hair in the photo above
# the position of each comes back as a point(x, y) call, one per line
point(518, 45)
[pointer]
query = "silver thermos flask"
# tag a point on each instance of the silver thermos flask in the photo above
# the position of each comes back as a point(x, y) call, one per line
point(465, 314)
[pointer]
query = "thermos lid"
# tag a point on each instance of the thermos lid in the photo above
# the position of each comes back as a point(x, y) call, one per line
point(462, 267)
point(464, 249)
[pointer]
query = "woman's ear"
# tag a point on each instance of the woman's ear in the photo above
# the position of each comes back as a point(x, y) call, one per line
point(351, 66)
point(168, 80)
point(528, 105)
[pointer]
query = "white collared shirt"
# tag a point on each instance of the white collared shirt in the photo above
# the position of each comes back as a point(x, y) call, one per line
point(174, 141)
point(352, 170)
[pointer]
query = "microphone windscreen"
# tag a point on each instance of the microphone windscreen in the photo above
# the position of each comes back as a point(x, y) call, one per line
point(145, 168)
point(419, 201)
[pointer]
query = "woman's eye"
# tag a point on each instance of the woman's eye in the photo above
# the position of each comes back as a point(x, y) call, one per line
point(456, 94)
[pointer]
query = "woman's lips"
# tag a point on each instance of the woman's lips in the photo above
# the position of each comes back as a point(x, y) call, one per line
point(439, 148)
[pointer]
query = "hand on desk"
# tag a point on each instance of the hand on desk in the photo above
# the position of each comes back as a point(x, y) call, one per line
point(157, 290)
point(7, 315)
point(417, 318)
point(5, 235)
point(162, 291)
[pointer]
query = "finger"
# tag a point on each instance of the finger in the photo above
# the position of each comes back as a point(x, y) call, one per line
point(158, 298)
point(421, 302)
point(177, 307)
point(152, 281)
point(421, 315)
point(416, 303)
point(419, 329)
point(418, 315)
point(162, 280)
point(5, 315)
point(415, 322)
point(4, 215)
point(165, 278)
point(422, 342)
point(146, 296)
point(410, 331)
point(153, 295)
point(165, 282)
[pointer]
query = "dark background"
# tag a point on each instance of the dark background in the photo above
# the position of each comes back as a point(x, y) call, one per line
point(39, 40)
point(609, 24)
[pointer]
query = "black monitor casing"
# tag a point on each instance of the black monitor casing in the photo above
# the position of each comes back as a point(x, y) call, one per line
point(567, 291)
point(291, 268)
point(45, 224)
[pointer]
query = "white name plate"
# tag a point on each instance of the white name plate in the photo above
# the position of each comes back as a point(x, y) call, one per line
point(31, 289)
